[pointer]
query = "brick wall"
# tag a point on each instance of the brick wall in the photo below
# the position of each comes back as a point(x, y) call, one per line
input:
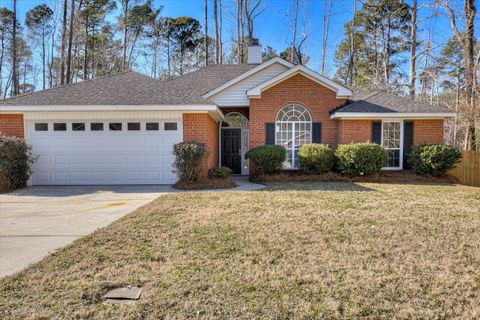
point(11, 125)
point(354, 131)
point(424, 131)
point(297, 89)
point(428, 131)
point(202, 128)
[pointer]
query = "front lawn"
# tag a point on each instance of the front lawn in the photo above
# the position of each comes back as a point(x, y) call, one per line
point(326, 250)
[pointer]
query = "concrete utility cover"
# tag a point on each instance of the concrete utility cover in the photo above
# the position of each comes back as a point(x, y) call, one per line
point(123, 294)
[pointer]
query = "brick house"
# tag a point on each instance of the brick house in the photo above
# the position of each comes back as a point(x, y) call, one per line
point(120, 129)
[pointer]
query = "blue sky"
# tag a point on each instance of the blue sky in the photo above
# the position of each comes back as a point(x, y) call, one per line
point(272, 26)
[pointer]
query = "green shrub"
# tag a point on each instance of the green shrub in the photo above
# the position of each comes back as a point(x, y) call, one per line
point(219, 173)
point(16, 162)
point(360, 159)
point(316, 158)
point(267, 159)
point(434, 159)
point(189, 158)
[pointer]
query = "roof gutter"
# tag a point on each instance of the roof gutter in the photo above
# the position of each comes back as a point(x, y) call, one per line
point(390, 115)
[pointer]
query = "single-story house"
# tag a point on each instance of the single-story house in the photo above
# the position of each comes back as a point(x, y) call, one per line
point(120, 129)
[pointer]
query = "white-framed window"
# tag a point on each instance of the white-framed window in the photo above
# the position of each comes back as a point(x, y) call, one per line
point(293, 128)
point(392, 140)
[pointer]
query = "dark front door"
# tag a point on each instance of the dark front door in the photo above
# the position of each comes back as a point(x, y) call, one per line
point(232, 149)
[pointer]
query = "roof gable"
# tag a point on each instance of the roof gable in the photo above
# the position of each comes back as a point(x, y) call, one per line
point(236, 95)
point(341, 91)
point(247, 74)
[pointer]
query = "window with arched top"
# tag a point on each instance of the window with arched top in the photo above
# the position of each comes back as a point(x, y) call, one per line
point(235, 120)
point(293, 128)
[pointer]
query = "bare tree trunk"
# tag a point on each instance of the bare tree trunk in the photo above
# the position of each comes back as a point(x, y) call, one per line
point(2, 52)
point(205, 41)
point(169, 65)
point(64, 39)
point(14, 51)
point(457, 102)
point(70, 42)
point(43, 59)
point(466, 40)
point(221, 34)
point(85, 52)
point(125, 34)
point(240, 30)
point(325, 31)
point(351, 60)
point(293, 48)
point(217, 39)
point(413, 51)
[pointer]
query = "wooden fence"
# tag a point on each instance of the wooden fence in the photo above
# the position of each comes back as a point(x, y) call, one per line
point(468, 171)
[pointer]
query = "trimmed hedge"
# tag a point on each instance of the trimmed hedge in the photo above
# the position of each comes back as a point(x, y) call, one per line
point(360, 159)
point(267, 159)
point(316, 158)
point(219, 173)
point(16, 162)
point(189, 157)
point(434, 159)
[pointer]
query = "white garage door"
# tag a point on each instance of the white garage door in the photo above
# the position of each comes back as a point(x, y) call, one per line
point(89, 152)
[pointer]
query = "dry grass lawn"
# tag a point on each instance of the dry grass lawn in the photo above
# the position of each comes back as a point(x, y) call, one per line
point(308, 251)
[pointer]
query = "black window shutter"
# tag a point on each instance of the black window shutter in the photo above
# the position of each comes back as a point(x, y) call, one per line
point(407, 141)
point(270, 133)
point(377, 132)
point(317, 132)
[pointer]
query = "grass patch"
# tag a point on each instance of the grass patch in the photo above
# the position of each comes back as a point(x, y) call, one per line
point(294, 250)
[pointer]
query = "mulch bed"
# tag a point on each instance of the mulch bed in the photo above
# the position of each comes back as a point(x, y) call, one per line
point(405, 176)
point(206, 184)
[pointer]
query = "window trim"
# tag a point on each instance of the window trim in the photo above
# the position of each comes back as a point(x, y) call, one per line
point(401, 144)
point(294, 167)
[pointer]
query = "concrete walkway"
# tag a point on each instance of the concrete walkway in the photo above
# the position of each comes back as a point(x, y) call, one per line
point(37, 220)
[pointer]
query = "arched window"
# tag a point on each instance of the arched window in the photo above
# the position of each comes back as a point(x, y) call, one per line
point(235, 120)
point(293, 128)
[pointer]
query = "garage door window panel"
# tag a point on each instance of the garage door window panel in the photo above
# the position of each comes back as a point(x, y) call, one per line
point(96, 126)
point(115, 126)
point(59, 127)
point(170, 126)
point(133, 126)
point(76, 126)
point(152, 126)
point(41, 126)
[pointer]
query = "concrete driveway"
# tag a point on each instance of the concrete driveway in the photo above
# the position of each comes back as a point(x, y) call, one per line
point(37, 220)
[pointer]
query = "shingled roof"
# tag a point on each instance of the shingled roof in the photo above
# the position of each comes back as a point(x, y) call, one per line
point(384, 102)
point(132, 88)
